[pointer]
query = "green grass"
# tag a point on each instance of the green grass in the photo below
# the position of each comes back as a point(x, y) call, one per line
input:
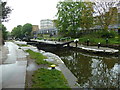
point(22, 45)
point(39, 58)
point(94, 40)
point(45, 78)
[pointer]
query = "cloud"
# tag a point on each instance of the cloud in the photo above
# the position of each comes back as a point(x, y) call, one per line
point(30, 11)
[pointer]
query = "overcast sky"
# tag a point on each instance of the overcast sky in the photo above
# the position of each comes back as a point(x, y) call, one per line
point(30, 11)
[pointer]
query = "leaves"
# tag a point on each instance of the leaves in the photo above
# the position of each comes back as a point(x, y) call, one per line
point(26, 29)
point(4, 32)
point(72, 16)
point(17, 31)
point(5, 11)
point(22, 31)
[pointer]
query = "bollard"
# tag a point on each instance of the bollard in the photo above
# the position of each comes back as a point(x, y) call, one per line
point(76, 41)
point(106, 41)
point(88, 42)
point(53, 66)
point(99, 45)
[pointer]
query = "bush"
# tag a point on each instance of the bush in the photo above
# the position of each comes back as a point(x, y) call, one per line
point(107, 34)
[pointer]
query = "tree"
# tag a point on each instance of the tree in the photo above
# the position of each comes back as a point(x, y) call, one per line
point(4, 32)
point(87, 16)
point(68, 17)
point(27, 29)
point(22, 31)
point(74, 15)
point(106, 14)
point(4, 12)
point(17, 32)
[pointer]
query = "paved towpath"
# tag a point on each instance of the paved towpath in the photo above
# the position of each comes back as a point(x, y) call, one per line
point(13, 67)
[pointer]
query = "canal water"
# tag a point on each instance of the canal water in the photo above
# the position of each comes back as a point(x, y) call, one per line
point(92, 71)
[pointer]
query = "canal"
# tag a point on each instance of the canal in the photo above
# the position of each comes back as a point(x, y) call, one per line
point(92, 71)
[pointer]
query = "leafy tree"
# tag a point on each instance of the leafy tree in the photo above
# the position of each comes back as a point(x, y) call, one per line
point(4, 12)
point(22, 31)
point(87, 16)
point(74, 15)
point(27, 29)
point(4, 32)
point(17, 32)
point(68, 17)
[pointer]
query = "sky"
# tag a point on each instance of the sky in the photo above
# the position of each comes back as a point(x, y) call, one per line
point(30, 11)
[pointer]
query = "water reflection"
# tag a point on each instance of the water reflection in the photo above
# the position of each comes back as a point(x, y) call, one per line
point(91, 71)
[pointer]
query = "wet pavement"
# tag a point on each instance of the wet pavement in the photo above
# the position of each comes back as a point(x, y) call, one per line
point(13, 67)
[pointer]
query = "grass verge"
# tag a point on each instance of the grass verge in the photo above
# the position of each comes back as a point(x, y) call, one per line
point(93, 40)
point(39, 58)
point(22, 45)
point(45, 78)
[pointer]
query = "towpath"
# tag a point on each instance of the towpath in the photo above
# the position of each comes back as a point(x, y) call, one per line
point(13, 66)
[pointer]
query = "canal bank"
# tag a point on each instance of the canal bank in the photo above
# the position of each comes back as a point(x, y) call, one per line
point(54, 59)
point(91, 71)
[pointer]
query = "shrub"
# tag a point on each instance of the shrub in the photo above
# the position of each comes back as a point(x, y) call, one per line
point(107, 34)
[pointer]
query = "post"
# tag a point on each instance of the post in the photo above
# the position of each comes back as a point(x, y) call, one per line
point(106, 41)
point(53, 66)
point(99, 45)
point(68, 45)
point(76, 41)
point(88, 42)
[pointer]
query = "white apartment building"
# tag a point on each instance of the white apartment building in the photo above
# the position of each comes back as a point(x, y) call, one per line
point(47, 27)
point(46, 23)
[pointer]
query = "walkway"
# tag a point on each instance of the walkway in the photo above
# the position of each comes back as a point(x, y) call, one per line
point(13, 66)
point(95, 48)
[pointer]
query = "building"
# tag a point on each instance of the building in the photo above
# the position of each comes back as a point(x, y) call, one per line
point(46, 23)
point(47, 27)
point(35, 29)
